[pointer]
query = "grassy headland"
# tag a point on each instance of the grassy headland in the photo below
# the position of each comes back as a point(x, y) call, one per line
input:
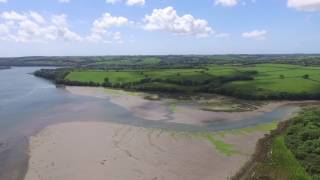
point(260, 81)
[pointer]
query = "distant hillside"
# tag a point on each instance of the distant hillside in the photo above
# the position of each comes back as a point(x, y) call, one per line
point(170, 61)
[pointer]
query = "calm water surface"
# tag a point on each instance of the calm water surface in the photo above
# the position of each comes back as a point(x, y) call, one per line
point(28, 103)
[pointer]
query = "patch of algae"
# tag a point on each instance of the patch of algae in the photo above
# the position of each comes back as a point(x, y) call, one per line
point(216, 138)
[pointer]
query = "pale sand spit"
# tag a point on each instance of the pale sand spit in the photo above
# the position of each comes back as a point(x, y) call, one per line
point(160, 110)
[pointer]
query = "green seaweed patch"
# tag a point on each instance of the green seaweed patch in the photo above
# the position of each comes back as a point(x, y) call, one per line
point(221, 146)
point(186, 135)
point(112, 91)
point(173, 107)
point(117, 92)
point(131, 93)
point(267, 127)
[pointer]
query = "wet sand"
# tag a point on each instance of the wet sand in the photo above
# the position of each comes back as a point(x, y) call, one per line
point(105, 150)
point(134, 102)
point(160, 110)
point(99, 151)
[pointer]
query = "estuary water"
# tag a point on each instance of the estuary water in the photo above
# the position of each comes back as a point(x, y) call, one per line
point(28, 104)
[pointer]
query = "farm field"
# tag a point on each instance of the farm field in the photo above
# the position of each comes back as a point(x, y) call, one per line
point(99, 76)
point(272, 78)
point(261, 81)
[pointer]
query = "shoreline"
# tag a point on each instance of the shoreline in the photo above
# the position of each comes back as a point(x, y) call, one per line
point(261, 152)
point(5, 67)
point(173, 110)
point(59, 151)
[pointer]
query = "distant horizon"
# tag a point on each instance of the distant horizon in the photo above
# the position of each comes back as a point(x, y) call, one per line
point(119, 55)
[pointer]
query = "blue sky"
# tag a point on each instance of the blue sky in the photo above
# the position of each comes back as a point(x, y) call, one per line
point(134, 27)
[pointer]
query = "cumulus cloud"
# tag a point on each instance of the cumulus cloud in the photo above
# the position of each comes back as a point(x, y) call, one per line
point(227, 3)
point(14, 16)
point(60, 21)
point(304, 5)
point(135, 2)
point(4, 30)
point(101, 26)
point(256, 34)
point(168, 20)
point(231, 3)
point(128, 2)
point(37, 17)
point(33, 27)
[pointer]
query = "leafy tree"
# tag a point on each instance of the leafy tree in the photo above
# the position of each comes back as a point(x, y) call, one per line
point(306, 76)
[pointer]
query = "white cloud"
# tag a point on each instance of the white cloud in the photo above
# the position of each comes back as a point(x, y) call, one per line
point(32, 27)
point(135, 2)
point(3, 1)
point(112, 1)
point(37, 17)
point(231, 3)
point(101, 26)
point(14, 16)
point(4, 31)
point(60, 20)
point(64, 1)
point(128, 2)
point(167, 19)
point(304, 5)
point(227, 3)
point(256, 34)
point(63, 31)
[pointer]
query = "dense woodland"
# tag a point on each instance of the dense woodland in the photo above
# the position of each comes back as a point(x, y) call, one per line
point(303, 139)
point(291, 152)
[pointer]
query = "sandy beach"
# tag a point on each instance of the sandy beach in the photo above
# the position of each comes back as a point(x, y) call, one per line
point(100, 151)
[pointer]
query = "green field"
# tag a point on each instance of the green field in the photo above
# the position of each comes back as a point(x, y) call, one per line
point(268, 80)
point(262, 81)
point(99, 76)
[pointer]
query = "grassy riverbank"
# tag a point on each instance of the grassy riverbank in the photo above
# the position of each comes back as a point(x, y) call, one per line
point(289, 153)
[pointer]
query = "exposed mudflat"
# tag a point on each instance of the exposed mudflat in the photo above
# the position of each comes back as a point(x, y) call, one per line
point(99, 151)
point(171, 112)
